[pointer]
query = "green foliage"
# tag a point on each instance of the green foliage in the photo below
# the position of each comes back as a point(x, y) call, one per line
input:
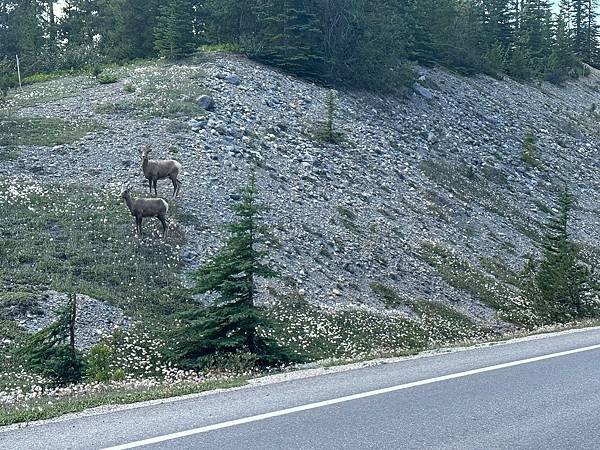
point(43, 131)
point(445, 325)
point(232, 326)
point(43, 409)
point(389, 295)
point(460, 274)
point(8, 78)
point(173, 34)
point(51, 352)
point(367, 45)
point(107, 78)
point(129, 88)
point(98, 364)
point(530, 153)
point(328, 133)
point(562, 281)
point(50, 233)
point(290, 32)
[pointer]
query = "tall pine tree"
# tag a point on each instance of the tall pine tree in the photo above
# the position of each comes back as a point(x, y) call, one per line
point(291, 35)
point(174, 34)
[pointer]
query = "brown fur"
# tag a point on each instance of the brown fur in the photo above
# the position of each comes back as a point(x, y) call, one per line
point(146, 207)
point(159, 169)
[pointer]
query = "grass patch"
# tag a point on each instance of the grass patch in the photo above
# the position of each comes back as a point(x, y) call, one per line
point(43, 131)
point(9, 153)
point(45, 409)
point(43, 77)
point(161, 90)
point(445, 325)
point(53, 89)
point(348, 218)
point(17, 303)
point(459, 274)
point(486, 187)
point(67, 237)
point(319, 333)
point(322, 333)
point(387, 294)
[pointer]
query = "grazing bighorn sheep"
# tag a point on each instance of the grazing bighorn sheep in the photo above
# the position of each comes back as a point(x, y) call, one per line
point(159, 169)
point(145, 207)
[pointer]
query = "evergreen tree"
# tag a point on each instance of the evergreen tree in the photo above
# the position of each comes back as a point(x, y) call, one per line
point(51, 352)
point(590, 50)
point(22, 31)
point(291, 35)
point(132, 32)
point(229, 21)
point(578, 8)
point(174, 34)
point(535, 34)
point(83, 22)
point(562, 61)
point(562, 281)
point(531, 292)
point(497, 20)
point(232, 325)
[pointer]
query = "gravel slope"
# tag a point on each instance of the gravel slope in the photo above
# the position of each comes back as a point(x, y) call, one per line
point(428, 195)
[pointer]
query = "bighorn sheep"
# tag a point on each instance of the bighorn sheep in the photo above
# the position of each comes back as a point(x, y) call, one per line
point(159, 169)
point(145, 207)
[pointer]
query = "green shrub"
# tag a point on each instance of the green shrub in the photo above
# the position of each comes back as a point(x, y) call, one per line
point(107, 78)
point(530, 154)
point(98, 363)
point(8, 78)
point(129, 88)
point(388, 295)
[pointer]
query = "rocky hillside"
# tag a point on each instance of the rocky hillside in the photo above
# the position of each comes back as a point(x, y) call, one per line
point(428, 196)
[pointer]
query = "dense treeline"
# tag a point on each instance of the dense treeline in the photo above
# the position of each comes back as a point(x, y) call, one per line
point(362, 43)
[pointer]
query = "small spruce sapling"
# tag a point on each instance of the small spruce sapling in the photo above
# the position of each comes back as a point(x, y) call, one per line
point(51, 352)
point(230, 329)
point(562, 281)
point(530, 154)
point(328, 132)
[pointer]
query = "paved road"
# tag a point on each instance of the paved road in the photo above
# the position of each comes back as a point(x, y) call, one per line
point(541, 394)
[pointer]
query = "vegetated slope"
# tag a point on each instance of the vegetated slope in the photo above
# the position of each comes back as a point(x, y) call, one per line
point(428, 197)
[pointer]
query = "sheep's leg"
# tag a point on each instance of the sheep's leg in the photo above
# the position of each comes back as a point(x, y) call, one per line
point(164, 225)
point(140, 226)
point(150, 184)
point(155, 191)
point(176, 186)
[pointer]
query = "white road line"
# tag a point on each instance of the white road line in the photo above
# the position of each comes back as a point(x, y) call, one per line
point(348, 398)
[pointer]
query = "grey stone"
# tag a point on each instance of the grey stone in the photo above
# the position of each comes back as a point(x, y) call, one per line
point(206, 102)
point(423, 91)
point(233, 79)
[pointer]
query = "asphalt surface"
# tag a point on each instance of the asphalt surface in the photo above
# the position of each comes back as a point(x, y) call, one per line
point(551, 403)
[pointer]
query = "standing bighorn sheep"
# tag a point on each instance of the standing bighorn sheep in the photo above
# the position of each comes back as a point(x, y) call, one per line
point(146, 207)
point(159, 169)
